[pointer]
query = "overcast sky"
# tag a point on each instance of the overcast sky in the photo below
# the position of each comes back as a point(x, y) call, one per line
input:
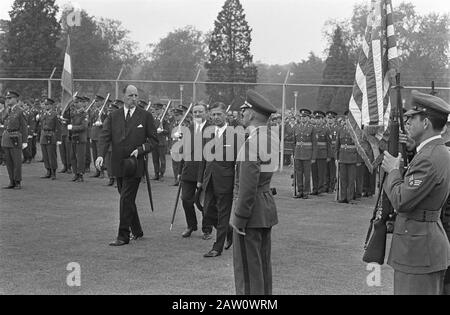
point(283, 30)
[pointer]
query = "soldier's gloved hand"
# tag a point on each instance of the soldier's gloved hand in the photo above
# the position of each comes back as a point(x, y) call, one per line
point(99, 163)
point(30, 137)
point(134, 153)
point(69, 127)
point(24, 146)
point(159, 130)
point(199, 184)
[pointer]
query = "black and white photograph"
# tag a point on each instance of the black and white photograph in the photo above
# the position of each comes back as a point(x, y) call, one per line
point(224, 154)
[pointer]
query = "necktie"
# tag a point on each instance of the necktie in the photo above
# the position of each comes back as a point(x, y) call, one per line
point(127, 119)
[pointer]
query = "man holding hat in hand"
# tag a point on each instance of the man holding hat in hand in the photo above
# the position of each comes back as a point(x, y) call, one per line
point(131, 133)
point(420, 250)
point(14, 138)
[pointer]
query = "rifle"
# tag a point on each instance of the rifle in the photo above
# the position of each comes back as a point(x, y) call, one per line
point(383, 214)
point(148, 106)
point(164, 113)
point(90, 105)
point(103, 107)
point(176, 205)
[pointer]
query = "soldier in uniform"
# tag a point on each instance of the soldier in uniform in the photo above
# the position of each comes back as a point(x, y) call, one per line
point(346, 157)
point(14, 138)
point(87, 150)
point(117, 104)
point(96, 129)
point(254, 212)
point(333, 129)
point(305, 153)
point(177, 115)
point(30, 118)
point(319, 168)
point(420, 249)
point(50, 138)
point(159, 154)
point(2, 128)
point(65, 149)
point(79, 128)
point(289, 141)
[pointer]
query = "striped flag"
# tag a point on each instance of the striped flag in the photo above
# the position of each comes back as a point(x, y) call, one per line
point(66, 79)
point(370, 106)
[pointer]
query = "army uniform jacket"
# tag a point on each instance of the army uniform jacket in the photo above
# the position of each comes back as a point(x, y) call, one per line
point(419, 243)
point(95, 131)
point(51, 129)
point(254, 205)
point(162, 136)
point(289, 139)
point(346, 151)
point(332, 132)
point(15, 128)
point(79, 128)
point(305, 142)
point(323, 142)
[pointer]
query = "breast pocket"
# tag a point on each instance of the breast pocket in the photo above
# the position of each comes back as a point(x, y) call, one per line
point(410, 243)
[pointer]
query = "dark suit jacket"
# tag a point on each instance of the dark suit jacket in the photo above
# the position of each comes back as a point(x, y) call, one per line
point(192, 171)
point(140, 134)
point(221, 172)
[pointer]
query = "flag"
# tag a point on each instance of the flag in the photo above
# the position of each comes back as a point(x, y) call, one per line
point(66, 79)
point(370, 106)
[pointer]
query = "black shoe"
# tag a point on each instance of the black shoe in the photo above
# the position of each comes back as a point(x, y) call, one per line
point(53, 175)
point(136, 237)
point(298, 196)
point(18, 186)
point(80, 178)
point(212, 253)
point(111, 182)
point(314, 193)
point(118, 242)
point(305, 196)
point(207, 236)
point(102, 174)
point(228, 243)
point(75, 178)
point(155, 178)
point(69, 171)
point(48, 175)
point(161, 178)
point(10, 186)
point(64, 170)
point(343, 201)
point(188, 232)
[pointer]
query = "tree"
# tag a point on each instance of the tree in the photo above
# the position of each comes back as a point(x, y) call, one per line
point(339, 70)
point(30, 42)
point(230, 59)
point(176, 57)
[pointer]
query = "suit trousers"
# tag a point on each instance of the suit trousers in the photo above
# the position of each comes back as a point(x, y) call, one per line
point(331, 175)
point(129, 218)
point(49, 156)
point(159, 160)
point(65, 150)
point(303, 170)
point(252, 262)
point(33, 146)
point(424, 284)
point(175, 168)
point(78, 159)
point(13, 160)
point(108, 164)
point(188, 190)
point(369, 181)
point(217, 211)
point(2, 153)
point(347, 178)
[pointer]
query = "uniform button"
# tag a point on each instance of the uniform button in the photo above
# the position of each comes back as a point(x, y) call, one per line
point(406, 231)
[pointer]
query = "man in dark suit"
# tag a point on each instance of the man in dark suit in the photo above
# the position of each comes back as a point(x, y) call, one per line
point(191, 170)
point(131, 132)
point(254, 211)
point(420, 249)
point(218, 180)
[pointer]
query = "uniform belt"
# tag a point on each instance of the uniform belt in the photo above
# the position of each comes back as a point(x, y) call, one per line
point(304, 143)
point(348, 146)
point(49, 130)
point(423, 216)
point(322, 143)
point(12, 130)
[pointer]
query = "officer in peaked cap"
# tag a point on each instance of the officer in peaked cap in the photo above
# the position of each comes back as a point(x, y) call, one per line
point(255, 212)
point(333, 129)
point(2, 110)
point(159, 153)
point(305, 112)
point(318, 169)
point(420, 249)
point(14, 138)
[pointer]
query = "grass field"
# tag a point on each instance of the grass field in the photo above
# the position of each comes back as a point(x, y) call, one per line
point(316, 247)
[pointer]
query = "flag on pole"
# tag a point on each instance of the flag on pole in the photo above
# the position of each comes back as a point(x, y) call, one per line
point(370, 106)
point(66, 79)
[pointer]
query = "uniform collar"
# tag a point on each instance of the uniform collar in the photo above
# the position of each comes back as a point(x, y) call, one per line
point(421, 145)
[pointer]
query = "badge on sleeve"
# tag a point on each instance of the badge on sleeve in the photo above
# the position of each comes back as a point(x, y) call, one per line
point(412, 182)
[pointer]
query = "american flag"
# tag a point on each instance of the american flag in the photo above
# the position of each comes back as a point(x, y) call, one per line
point(370, 106)
point(66, 78)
